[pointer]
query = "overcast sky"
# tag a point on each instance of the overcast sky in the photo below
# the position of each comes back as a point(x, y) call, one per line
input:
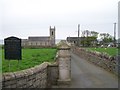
point(23, 18)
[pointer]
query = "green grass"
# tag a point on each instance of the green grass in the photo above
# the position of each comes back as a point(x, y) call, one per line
point(109, 51)
point(30, 58)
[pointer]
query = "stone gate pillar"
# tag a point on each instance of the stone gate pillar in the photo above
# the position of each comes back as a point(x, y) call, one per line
point(64, 61)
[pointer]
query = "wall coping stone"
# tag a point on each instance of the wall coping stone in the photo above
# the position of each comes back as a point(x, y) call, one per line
point(8, 76)
point(65, 56)
point(26, 72)
point(19, 74)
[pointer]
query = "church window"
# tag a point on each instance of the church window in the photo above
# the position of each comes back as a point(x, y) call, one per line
point(52, 32)
point(74, 42)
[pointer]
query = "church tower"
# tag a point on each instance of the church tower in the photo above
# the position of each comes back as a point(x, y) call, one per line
point(52, 36)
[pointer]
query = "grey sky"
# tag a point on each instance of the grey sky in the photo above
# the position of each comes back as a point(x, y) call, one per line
point(23, 18)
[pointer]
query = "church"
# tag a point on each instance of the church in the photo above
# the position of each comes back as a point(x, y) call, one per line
point(41, 41)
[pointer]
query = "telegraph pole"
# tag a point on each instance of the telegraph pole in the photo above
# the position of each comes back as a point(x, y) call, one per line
point(114, 34)
point(78, 34)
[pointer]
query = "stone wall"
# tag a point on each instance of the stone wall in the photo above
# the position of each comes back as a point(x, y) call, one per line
point(41, 76)
point(53, 74)
point(106, 62)
point(45, 75)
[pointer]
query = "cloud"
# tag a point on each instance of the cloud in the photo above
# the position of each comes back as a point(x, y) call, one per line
point(35, 16)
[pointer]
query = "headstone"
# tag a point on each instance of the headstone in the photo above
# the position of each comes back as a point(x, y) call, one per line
point(12, 47)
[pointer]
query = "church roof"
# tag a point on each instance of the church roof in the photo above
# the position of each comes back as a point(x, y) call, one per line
point(75, 38)
point(39, 38)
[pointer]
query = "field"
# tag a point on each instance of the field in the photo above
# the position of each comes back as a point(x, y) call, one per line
point(110, 51)
point(30, 58)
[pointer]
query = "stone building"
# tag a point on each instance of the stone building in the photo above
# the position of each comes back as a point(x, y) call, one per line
point(41, 41)
point(74, 41)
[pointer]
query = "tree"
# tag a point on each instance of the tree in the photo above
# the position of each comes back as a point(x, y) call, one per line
point(89, 41)
point(94, 33)
point(106, 38)
point(86, 33)
point(90, 38)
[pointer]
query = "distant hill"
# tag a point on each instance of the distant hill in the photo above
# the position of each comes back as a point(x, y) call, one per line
point(57, 40)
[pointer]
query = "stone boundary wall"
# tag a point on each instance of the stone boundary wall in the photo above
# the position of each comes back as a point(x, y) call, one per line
point(107, 63)
point(41, 76)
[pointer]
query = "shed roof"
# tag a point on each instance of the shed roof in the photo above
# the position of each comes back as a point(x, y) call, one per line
point(39, 38)
point(12, 38)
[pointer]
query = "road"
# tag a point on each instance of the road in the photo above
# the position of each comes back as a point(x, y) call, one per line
point(86, 75)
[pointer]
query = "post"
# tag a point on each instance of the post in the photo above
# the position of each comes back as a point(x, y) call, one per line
point(18, 64)
point(114, 34)
point(64, 61)
point(78, 34)
point(9, 65)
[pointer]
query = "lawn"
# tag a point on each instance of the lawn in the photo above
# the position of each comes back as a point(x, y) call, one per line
point(110, 51)
point(30, 58)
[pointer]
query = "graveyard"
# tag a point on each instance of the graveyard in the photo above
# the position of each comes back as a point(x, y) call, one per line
point(30, 58)
point(16, 58)
point(53, 67)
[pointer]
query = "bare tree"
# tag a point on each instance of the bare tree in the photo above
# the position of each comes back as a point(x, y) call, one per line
point(94, 33)
point(86, 33)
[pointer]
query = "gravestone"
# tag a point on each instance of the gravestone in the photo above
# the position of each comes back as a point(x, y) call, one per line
point(12, 47)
